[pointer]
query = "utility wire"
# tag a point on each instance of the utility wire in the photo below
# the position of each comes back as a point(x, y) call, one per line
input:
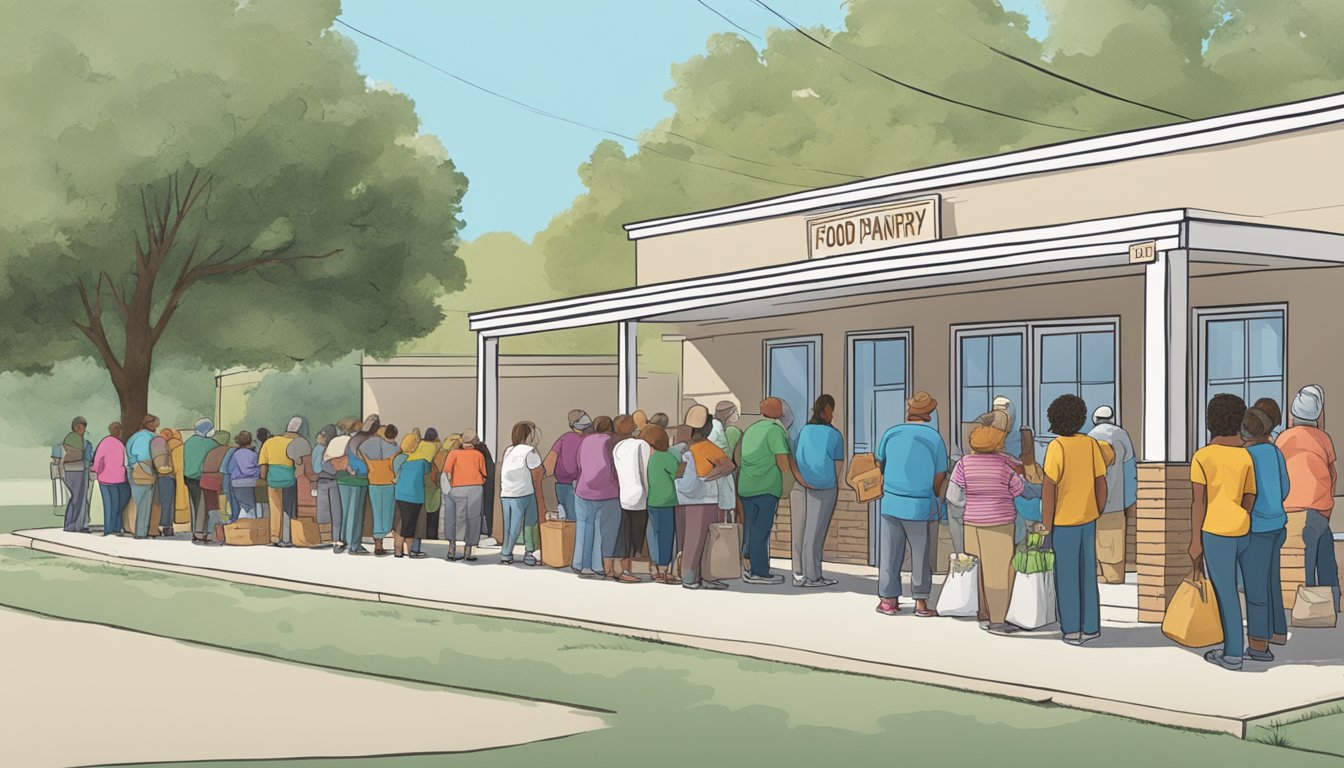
point(594, 128)
point(915, 88)
point(741, 28)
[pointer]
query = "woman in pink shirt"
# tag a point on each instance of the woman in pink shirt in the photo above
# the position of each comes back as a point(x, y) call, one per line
point(109, 466)
point(991, 480)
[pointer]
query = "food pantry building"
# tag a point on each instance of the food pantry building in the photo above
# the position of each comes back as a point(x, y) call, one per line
point(1146, 270)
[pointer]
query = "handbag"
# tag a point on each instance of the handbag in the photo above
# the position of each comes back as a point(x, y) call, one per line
point(865, 477)
point(1192, 617)
point(722, 559)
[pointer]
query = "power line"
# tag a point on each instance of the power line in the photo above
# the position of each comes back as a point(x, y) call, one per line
point(741, 28)
point(915, 88)
point(1051, 73)
point(594, 128)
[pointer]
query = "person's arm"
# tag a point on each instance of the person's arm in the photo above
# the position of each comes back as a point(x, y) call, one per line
point(1248, 501)
point(785, 467)
point(1048, 504)
point(939, 482)
point(539, 474)
point(1099, 488)
point(722, 466)
point(548, 465)
point(1199, 508)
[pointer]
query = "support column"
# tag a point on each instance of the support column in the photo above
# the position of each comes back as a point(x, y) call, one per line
point(627, 366)
point(487, 390)
point(1162, 535)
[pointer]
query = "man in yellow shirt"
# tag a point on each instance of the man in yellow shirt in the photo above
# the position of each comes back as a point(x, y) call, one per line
point(1072, 497)
point(1222, 478)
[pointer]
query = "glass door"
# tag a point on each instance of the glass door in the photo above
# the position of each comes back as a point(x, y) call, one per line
point(792, 375)
point(879, 376)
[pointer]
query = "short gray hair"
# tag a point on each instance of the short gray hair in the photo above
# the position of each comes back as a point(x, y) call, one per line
point(78, 420)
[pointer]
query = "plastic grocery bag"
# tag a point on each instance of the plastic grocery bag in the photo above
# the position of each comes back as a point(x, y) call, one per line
point(1033, 603)
point(1192, 617)
point(1314, 608)
point(961, 589)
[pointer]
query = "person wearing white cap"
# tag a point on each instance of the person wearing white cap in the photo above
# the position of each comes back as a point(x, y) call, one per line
point(280, 459)
point(194, 451)
point(329, 459)
point(1310, 456)
point(1121, 495)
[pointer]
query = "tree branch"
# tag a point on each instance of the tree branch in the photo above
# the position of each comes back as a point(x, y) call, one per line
point(93, 328)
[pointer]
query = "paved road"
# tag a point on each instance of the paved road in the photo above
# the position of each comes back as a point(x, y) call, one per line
point(81, 694)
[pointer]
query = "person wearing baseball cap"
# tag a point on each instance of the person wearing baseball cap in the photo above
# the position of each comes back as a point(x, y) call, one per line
point(1121, 494)
point(1312, 475)
point(913, 458)
point(562, 461)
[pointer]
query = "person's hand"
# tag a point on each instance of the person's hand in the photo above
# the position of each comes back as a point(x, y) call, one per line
point(1196, 549)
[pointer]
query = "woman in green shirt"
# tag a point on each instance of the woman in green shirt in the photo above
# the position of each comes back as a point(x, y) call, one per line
point(664, 468)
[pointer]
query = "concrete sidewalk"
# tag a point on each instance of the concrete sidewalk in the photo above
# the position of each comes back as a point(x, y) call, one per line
point(1131, 671)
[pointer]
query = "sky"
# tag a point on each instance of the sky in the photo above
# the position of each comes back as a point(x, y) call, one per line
point(602, 62)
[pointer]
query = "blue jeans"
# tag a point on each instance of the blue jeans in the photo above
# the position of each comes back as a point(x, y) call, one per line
point(115, 498)
point(564, 496)
point(662, 535)
point(587, 534)
point(352, 515)
point(1076, 593)
point(519, 512)
point(383, 500)
point(143, 496)
point(1322, 570)
point(1265, 616)
point(1222, 557)
point(760, 519)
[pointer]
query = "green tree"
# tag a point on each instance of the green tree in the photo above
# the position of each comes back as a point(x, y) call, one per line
point(210, 183)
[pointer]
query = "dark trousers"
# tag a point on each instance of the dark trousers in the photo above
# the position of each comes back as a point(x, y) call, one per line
point(166, 489)
point(1265, 616)
point(195, 500)
point(1223, 556)
point(115, 498)
point(1322, 570)
point(759, 512)
point(1076, 592)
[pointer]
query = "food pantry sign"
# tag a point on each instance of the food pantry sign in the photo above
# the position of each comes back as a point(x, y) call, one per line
point(898, 223)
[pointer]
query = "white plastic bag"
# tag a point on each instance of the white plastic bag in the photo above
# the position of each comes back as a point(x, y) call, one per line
point(1033, 602)
point(961, 590)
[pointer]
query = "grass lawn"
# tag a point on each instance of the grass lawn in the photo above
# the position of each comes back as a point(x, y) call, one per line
point(669, 705)
point(39, 516)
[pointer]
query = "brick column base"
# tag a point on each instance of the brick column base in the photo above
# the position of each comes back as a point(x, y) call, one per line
point(1162, 535)
point(1293, 559)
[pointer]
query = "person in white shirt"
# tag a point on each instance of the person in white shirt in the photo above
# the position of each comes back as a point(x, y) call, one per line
point(520, 475)
point(631, 457)
point(1120, 495)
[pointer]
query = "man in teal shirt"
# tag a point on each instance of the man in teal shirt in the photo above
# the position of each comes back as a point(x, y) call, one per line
point(766, 459)
point(193, 464)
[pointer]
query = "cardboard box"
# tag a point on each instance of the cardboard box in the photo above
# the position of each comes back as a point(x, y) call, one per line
point(247, 533)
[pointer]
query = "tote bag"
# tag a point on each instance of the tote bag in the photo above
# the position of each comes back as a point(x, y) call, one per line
point(1192, 617)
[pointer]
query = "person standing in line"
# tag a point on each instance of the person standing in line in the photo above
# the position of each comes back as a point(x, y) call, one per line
point(820, 457)
point(75, 469)
point(520, 478)
point(699, 494)
point(244, 474)
point(465, 470)
point(1111, 524)
point(378, 452)
point(281, 459)
point(328, 495)
point(263, 494)
point(109, 466)
point(140, 465)
point(354, 485)
point(663, 470)
point(1222, 478)
point(194, 451)
point(562, 462)
point(989, 481)
point(336, 463)
point(765, 461)
point(165, 481)
point(597, 497)
point(181, 504)
point(1266, 620)
point(487, 491)
point(630, 456)
point(409, 473)
point(726, 432)
point(913, 458)
point(212, 484)
point(429, 449)
point(1310, 455)
point(1072, 498)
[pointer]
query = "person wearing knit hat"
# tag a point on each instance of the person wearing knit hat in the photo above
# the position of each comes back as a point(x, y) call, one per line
point(1121, 494)
point(1266, 620)
point(1313, 477)
point(194, 451)
point(726, 432)
point(913, 458)
point(561, 462)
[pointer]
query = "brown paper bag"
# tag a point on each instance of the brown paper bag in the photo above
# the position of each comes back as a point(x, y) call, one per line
point(722, 559)
point(1314, 608)
point(557, 543)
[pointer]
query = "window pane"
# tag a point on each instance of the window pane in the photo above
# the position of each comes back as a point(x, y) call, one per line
point(1008, 360)
point(975, 361)
point(890, 362)
point(890, 410)
point(789, 381)
point(1237, 389)
point(1096, 395)
point(1272, 389)
point(863, 396)
point(1059, 357)
point(1048, 394)
point(974, 401)
point(1227, 349)
point(1266, 347)
point(1014, 395)
point(1098, 357)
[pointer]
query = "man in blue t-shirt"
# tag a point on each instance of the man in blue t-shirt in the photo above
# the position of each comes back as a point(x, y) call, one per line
point(913, 458)
point(820, 456)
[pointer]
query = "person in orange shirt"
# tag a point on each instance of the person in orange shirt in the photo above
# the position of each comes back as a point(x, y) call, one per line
point(466, 471)
point(1310, 456)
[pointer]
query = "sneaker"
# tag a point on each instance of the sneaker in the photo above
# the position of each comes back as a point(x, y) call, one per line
point(1074, 639)
point(985, 625)
point(888, 607)
point(1003, 629)
point(1217, 657)
point(506, 561)
point(820, 583)
point(693, 585)
point(417, 555)
point(591, 575)
point(361, 551)
point(338, 549)
point(799, 581)
point(529, 560)
point(1088, 637)
point(715, 585)
point(283, 545)
point(752, 578)
point(1254, 655)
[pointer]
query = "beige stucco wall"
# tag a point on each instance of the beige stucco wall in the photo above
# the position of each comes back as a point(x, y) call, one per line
point(1277, 178)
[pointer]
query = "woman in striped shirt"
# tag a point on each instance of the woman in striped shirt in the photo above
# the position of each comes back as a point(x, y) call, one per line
point(991, 480)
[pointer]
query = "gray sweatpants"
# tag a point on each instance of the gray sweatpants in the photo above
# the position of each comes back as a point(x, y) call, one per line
point(77, 509)
point(329, 506)
point(895, 533)
point(810, 512)
point(465, 523)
